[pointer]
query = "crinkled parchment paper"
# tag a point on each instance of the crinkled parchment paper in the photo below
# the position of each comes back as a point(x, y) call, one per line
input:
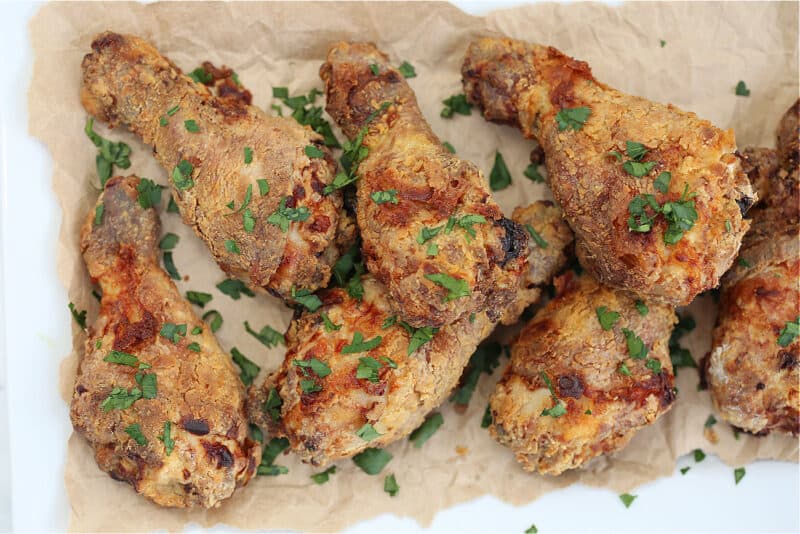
point(709, 47)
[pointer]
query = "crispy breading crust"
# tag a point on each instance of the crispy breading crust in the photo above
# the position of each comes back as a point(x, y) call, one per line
point(604, 408)
point(432, 186)
point(321, 426)
point(546, 219)
point(754, 382)
point(126, 81)
point(198, 393)
point(527, 85)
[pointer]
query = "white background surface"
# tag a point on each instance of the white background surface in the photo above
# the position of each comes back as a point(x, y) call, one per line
point(35, 336)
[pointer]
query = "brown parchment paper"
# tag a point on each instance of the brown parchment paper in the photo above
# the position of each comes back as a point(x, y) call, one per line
point(709, 47)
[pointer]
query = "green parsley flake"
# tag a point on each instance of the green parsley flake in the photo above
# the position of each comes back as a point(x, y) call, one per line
point(109, 154)
point(606, 317)
point(173, 332)
point(789, 332)
point(191, 126)
point(661, 183)
point(169, 266)
point(637, 168)
point(330, 326)
point(305, 298)
point(194, 347)
point(198, 298)
point(427, 429)
point(456, 288)
point(407, 70)
point(314, 152)
point(572, 118)
point(121, 399)
point(232, 247)
point(148, 382)
point(419, 337)
point(455, 104)
point(627, 499)
point(235, 289)
point(324, 476)
point(79, 316)
point(741, 89)
point(532, 173)
point(283, 215)
point(263, 186)
point(537, 238)
point(375, 69)
point(368, 368)
point(182, 175)
point(685, 470)
point(390, 485)
point(98, 214)
point(654, 365)
point(485, 359)
point(623, 369)
point(248, 155)
point(699, 455)
point(121, 358)
point(168, 242)
point(486, 420)
point(268, 336)
point(249, 370)
point(532, 530)
point(272, 406)
point(201, 76)
point(359, 345)
point(166, 438)
point(135, 432)
point(269, 454)
point(738, 474)
point(214, 319)
point(372, 460)
point(499, 178)
point(450, 148)
point(148, 193)
point(641, 307)
point(318, 367)
point(367, 432)
point(636, 347)
point(382, 197)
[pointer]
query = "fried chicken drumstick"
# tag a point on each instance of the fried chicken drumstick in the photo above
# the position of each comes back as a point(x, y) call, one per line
point(356, 375)
point(586, 373)
point(655, 195)
point(155, 396)
point(432, 234)
point(753, 371)
point(249, 184)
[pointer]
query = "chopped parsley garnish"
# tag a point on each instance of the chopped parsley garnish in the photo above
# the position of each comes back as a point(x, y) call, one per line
point(248, 196)
point(662, 42)
point(232, 247)
point(486, 420)
point(148, 382)
point(407, 70)
point(499, 178)
point(485, 359)
point(169, 266)
point(191, 126)
point(166, 438)
point(532, 173)
point(456, 104)
point(427, 429)
point(171, 206)
point(699, 455)
point(627, 499)
point(465, 222)
point(372, 460)
point(313, 152)
point(741, 89)
point(450, 148)
point(182, 175)
point(148, 193)
point(680, 356)
point(304, 112)
point(360, 345)
point(135, 432)
point(121, 399)
point(201, 76)
point(248, 221)
point(790, 331)
point(173, 332)
point(432, 250)
point(197, 331)
point(532, 530)
point(198, 298)
point(168, 242)
point(389, 322)
point(272, 406)
point(739, 472)
point(306, 298)
point(98, 214)
point(194, 347)
point(537, 238)
point(330, 326)
point(661, 182)
point(456, 288)
point(654, 365)
point(390, 485)
point(319, 368)
point(685, 470)
point(572, 118)
point(268, 336)
point(368, 368)
point(80, 316)
point(636, 151)
point(269, 454)
point(249, 370)
point(623, 369)
point(711, 421)
point(123, 358)
point(375, 69)
point(641, 307)
point(214, 319)
point(109, 153)
point(367, 432)
point(558, 409)
point(324, 476)
point(426, 234)
point(420, 336)
point(283, 215)
point(606, 317)
point(636, 347)
point(382, 197)
point(680, 215)
point(235, 289)
point(638, 168)
point(390, 362)
point(727, 225)
point(248, 155)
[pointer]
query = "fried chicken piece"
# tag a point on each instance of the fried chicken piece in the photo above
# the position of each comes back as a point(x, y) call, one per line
point(426, 217)
point(551, 238)
point(155, 396)
point(249, 184)
point(759, 164)
point(753, 371)
point(572, 390)
point(332, 385)
point(661, 252)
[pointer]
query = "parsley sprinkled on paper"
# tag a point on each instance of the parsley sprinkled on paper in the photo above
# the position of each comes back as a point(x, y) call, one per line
point(407, 70)
point(214, 319)
point(627, 499)
point(198, 298)
point(485, 359)
point(367, 432)
point(499, 178)
point(372, 460)
point(450, 148)
point(738, 474)
point(269, 454)
point(268, 336)
point(680, 356)
point(455, 104)
point(532, 173)
point(109, 153)
point(390, 485)
point(249, 370)
point(427, 429)
point(169, 266)
point(148, 193)
point(306, 113)
point(235, 289)
point(486, 420)
point(79, 316)
point(699, 455)
point(741, 89)
point(324, 476)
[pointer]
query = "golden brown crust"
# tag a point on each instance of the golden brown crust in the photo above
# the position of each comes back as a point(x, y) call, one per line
point(545, 218)
point(433, 186)
point(321, 426)
point(604, 408)
point(126, 81)
point(528, 85)
point(754, 381)
point(198, 393)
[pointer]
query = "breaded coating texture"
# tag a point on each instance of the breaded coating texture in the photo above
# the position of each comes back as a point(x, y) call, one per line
point(390, 387)
point(242, 179)
point(164, 415)
point(550, 239)
point(443, 225)
point(572, 390)
point(584, 128)
point(753, 371)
